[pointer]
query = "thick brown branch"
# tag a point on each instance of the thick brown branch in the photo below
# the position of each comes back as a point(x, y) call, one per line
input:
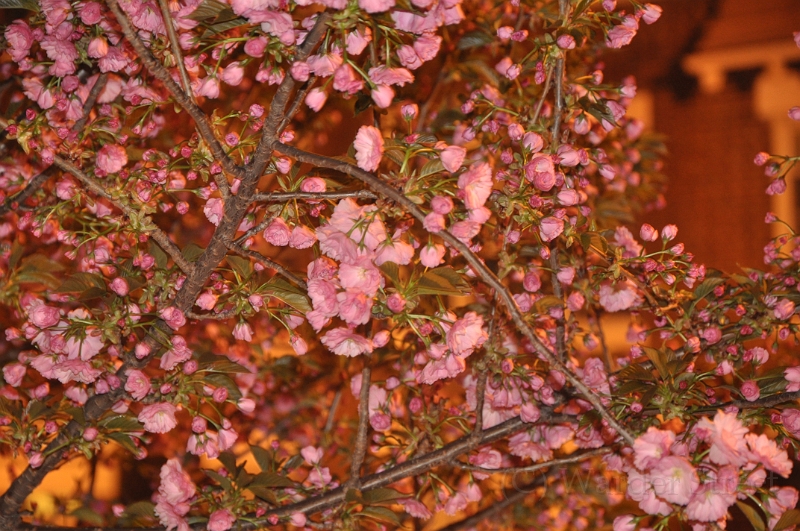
point(162, 74)
point(483, 272)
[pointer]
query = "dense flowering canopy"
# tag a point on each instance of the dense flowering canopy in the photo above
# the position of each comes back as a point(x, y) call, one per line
point(196, 265)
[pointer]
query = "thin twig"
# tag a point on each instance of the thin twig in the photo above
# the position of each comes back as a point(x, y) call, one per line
point(221, 316)
point(332, 411)
point(480, 398)
point(175, 45)
point(155, 67)
point(561, 350)
point(280, 197)
point(37, 182)
point(298, 100)
point(574, 458)
point(545, 91)
point(252, 231)
point(269, 263)
point(510, 498)
point(360, 450)
point(480, 268)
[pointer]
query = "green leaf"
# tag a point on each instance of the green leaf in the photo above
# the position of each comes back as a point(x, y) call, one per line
point(382, 495)
point(228, 460)
point(705, 288)
point(124, 440)
point(39, 262)
point(271, 480)
point(159, 255)
point(431, 167)
point(220, 380)
point(225, 366)
point(391, 270)
point(753, 516)
point(789, 519)
point(81, 282)
point(121, 423)
point(140, 509)
point(192, 252)
point(36, 409)
point(84, 514)
point(30, 5)
point(380, 513)
point(242, 266)
point(37, 277)
point(635, 371)
point(473, 39)
point(282, 290)
point(659, 359)
point(208, 9)
point(263, 458)
point(594, 241)
point(441, 281)
point(77, 415)
point(219, 478)
point(263, 493)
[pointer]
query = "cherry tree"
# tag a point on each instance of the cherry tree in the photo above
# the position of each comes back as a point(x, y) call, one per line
point(343, 264)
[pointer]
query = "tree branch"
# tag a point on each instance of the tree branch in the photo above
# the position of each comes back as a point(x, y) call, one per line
point(477, 264)
point(175, 45)
point(360, 450)
point(269, 263)
point(511, 498)
point(162, 74)
point(574, 458)
point(280, 197)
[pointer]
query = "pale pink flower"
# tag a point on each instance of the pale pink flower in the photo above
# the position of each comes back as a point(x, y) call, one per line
point(622, 34)
point(381, 75)
point(111, 158)
point(345, 342)
point(277, 233)
point(316, 99)
point(476, 185)
point(312, 455)
point(242, 331)
point(466, 334)
point(302, 237)
point(651, 446)
point(550, 228)
point(137, 384)
point(415, 508)
point(674, 479)
point(432, 255)
point(708, 504)
point(119, 286)
point(792, 375)
point(44, 316)
point(355, 307)
point(408, 57)
point(361, 275)
point(375, 6)
point(207, 300)
point(624, 523)
point(158, 418)
point(324, 65)
point(176, 485)
point(13, 374)
point(618, 296)
point(541, 171)
point(369, 148)
point(784, 309)
point(781, 499)
point(727, 439)
point(213, 210)
point(651, 13)
point(442, 204)
point(452, 157)
point(648, 233)
point(382, 95)
point(299, 345)
point(208, 87)
point(232, 74)
point(313, 185)
point(765, 451)
point(750, 390)
point(791, 421)
point(396, 251)
point(221, 520)
point(357, 40)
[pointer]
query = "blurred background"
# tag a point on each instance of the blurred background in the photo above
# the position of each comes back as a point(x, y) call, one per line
point(716, 78)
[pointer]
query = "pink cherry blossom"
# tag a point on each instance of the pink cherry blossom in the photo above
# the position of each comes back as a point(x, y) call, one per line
point(345, 342)
point(158, 418)
point(137, 384)
point(452, 157)
point(619, 296)
point(727, 438)
point(550, 228)
point(44, 316)
point(674, 479)
point(221, 520)
point(709, 504)
point(476, 184)
point(466, 334)
point(213, 210)
point(277, 233)
point(369, 147)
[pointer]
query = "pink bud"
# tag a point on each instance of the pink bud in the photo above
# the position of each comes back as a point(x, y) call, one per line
point(648, 233)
